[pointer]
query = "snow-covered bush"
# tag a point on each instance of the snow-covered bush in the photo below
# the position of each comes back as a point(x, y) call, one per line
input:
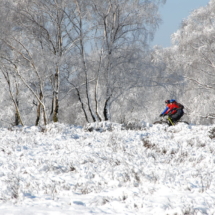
point(111, 126)
point(103, 126)
point(158, 170)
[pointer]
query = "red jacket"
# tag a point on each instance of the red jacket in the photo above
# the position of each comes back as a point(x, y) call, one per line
point(171, 108)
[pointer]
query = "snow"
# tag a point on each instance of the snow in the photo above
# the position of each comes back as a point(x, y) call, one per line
point(65, 169)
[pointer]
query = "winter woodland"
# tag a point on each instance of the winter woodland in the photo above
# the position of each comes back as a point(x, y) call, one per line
point(89, 61)
point(80, 89)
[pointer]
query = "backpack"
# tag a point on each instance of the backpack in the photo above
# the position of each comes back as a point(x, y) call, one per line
point(180, 106)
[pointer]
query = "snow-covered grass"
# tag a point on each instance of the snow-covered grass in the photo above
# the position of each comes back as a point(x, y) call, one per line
point(62, 169)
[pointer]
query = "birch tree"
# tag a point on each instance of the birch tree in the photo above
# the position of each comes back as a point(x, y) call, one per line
point(42, 40)
point(90, 47)
point(195, 49)
point(119, 31)
point(9, 78)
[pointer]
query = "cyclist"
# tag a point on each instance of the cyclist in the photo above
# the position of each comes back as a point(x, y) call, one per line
point(173, 109)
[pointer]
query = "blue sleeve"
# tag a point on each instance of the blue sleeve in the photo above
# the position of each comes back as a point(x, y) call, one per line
point(165, 110)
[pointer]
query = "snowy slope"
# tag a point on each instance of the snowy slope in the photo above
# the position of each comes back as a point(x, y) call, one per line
point(63, 169)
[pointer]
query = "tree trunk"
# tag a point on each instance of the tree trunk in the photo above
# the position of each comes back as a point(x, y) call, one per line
point(55, 100)
point(106, 111)
point(18, 119)
point(17, 114)
point(39, 110)
point(82, 104)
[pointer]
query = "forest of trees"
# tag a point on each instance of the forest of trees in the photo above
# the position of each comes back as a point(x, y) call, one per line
point(78, 61)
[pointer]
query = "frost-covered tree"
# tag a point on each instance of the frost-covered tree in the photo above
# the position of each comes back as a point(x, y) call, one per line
point(10, 84)
point(81, 54)
point(40, 43)
point(187, 67)
point(21, 55)
point(195, 50)
point(116, 44)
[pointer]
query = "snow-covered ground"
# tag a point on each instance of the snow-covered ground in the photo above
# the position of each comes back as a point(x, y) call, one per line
point(64, 169)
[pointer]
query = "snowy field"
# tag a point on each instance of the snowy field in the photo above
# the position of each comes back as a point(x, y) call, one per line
point(65, 170)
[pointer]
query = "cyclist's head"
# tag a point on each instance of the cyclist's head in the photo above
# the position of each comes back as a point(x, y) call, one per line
point(172, 101)
point(167, 101)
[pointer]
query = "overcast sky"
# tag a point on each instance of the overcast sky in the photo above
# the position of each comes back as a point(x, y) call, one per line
point(173, 13)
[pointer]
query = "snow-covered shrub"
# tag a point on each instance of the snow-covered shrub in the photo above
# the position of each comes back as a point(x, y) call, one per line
point(103, 126)
point(152, 171)
point(111, 126)
point(212, 133)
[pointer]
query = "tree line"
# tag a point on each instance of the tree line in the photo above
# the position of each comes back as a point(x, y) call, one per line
point(77, 61)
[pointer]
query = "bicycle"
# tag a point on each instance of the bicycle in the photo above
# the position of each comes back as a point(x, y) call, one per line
point(167, 120)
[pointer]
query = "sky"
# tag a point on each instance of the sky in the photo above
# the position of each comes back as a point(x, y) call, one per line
point(172, 14)
point(67, 170)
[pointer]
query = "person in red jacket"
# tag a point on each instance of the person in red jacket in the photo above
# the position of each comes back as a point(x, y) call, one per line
point(173, 109)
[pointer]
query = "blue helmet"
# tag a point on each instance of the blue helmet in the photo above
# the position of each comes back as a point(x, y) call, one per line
point(172, 100)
